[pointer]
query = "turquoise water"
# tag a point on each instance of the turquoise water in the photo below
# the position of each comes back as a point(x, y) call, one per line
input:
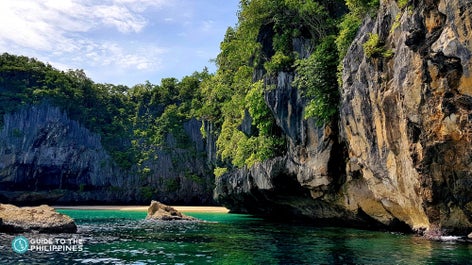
point(123, 237)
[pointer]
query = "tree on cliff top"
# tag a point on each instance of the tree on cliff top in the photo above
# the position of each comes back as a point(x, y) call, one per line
point(262, 40)
point(131, 121)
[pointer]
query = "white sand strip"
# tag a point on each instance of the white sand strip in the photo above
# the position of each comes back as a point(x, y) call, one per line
point(200, 209)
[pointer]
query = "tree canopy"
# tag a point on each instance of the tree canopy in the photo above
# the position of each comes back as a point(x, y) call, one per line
point(134, 121)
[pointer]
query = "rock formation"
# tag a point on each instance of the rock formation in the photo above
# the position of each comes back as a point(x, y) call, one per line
point(400, 155)
point(408, 119)
point(43, 219)
point(162, 212)
point(47, 158)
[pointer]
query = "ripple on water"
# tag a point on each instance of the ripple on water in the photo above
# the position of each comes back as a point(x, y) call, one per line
point(101, 260)
point(236, 239)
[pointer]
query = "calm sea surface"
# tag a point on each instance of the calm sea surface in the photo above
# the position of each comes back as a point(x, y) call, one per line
point(123, 237)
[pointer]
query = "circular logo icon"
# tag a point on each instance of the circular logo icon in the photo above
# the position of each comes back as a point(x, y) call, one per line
point(20, 244)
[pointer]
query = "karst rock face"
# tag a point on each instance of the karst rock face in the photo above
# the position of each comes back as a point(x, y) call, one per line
point(407, 119)
point(400, 154)
point(45, 157)
point(43, 153)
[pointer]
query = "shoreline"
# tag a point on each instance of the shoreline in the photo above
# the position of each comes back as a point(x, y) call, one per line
point(143, 208)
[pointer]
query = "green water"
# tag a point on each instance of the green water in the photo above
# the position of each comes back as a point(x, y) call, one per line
point(123, 237)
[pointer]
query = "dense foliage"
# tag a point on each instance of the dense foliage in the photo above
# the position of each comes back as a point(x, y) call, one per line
point(135, 122)
point(262, 41)
point(374, 48)
point(316, 77)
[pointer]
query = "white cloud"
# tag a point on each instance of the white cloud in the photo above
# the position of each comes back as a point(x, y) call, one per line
point(114, 39)
point(141, 5)
point(207, 25)
point(119, 17)
point(60, 29)
point(109, 54)
point(38, 25)
point(18, 26)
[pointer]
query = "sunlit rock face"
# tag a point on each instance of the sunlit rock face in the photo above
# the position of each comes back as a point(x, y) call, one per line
point(407, 119)
point(400, 155)
point(42, 219)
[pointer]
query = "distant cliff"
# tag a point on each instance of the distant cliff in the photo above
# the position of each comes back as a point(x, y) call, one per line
point(47, 158)
point(399, 155)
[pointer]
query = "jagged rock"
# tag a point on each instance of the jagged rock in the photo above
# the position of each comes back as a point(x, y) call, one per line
point(43, 219)
point(160, 211)
point(405, 121)
point(45, 157)
point(401, 157)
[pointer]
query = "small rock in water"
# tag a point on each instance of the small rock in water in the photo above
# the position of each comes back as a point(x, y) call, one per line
point(160, 211)
point(469, 236)
point(43, 219)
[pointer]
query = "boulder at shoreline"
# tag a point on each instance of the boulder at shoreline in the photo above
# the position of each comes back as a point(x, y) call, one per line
point(160, 211)
point(43, 219)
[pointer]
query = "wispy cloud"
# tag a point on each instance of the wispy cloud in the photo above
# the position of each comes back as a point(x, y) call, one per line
point(141, 5)
point(110, 54)
point(116, 40)
point(207, 25)
point(61, 26)
point(119, 17)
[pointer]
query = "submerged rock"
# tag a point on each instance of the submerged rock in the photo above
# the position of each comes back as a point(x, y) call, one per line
point(160, 211)
point(43, 219)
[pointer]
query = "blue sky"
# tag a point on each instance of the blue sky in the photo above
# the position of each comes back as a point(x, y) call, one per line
point(118, 41)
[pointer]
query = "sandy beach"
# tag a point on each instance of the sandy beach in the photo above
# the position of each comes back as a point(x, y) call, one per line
point(143, 208)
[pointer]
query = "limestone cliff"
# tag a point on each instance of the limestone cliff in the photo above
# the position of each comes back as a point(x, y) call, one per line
point(400, 155)
point(407, 119)
point(47, 158)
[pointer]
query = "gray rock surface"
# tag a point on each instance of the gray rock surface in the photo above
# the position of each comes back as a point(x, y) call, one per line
point(400, 155)
point(47, 158)
point(407, 119)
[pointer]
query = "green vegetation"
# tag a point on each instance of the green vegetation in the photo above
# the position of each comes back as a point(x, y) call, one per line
point(219, 171)
point(172, 184)
point(348, 27)
point(278, 62)
point(361, 8)
point(396, 22)
point(231, 97)
point(402, 3)
point(147, 192)
point(315, 78)
point(136, 122)
point(133, 122)
point(374, 48)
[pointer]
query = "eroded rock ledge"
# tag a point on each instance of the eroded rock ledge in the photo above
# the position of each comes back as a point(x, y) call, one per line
point(42, 219)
